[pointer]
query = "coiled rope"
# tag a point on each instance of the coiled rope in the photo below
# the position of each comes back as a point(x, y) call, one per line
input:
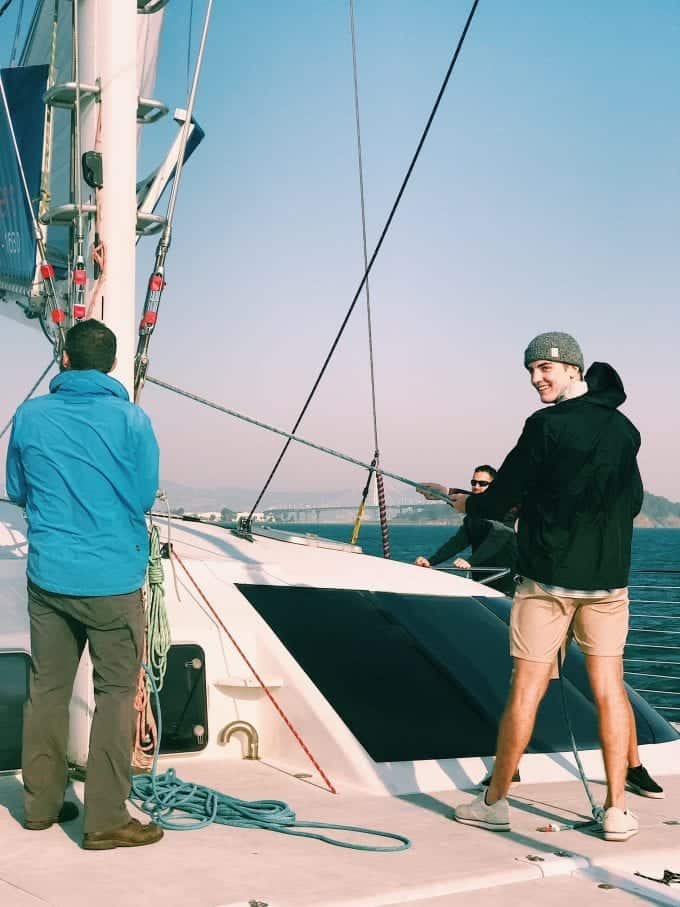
point(158, 625)
point(182, 806)
point(157, 641)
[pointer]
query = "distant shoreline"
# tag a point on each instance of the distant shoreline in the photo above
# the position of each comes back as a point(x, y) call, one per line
point(452, 526)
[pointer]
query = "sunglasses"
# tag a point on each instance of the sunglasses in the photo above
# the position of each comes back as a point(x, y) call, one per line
point(481, 483)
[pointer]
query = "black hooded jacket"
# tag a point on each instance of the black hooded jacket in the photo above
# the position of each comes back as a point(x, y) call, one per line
point(574, 476)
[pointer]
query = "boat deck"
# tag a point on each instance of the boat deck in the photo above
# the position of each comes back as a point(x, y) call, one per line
point(448, 864)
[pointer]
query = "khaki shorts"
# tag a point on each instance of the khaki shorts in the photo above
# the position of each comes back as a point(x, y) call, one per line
point(541, 624)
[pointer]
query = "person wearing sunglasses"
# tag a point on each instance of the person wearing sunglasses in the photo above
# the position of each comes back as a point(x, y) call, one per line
point(492, 542)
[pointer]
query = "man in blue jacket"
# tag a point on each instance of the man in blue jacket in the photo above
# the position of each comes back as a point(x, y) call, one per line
point(574, 476)
point(83, 461)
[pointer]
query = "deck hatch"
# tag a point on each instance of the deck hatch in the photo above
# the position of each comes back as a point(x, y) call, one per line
point(14, 673)
point(184, 701)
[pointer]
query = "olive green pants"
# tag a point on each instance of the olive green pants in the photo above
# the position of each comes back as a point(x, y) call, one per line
point(113, 625)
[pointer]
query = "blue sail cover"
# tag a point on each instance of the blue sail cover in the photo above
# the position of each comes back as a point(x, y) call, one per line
point(24, 88)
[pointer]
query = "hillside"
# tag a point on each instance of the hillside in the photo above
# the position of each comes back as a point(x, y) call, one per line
point(658, 512)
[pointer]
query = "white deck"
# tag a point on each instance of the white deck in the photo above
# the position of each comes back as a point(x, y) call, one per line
point(449, 864)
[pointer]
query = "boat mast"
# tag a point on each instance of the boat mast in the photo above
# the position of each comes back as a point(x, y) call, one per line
point(108, 38)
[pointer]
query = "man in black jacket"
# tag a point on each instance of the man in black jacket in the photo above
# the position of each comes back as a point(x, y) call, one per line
point(574, 476)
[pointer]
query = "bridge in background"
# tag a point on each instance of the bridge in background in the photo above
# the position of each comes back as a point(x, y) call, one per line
point(411, 512)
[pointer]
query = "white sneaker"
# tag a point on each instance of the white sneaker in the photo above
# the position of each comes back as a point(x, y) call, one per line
point(619, 824)
point(494, 818)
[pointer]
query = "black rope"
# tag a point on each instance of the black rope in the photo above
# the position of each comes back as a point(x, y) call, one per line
point(373, 256)
point(5, 7)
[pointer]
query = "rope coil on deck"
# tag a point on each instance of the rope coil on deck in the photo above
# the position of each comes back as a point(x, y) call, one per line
point(182, 806)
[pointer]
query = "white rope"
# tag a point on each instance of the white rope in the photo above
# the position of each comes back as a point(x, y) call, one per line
point(157, 643)
point(158, 638)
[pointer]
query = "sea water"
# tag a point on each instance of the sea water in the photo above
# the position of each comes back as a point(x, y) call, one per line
point(653, 549)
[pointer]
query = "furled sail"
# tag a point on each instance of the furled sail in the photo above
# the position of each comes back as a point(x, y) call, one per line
point(23, 91)
point(48, 151)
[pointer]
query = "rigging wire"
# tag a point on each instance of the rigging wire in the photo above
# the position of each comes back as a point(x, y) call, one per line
point(79, 273)
point(596, 809)
point(289, 435)
point(157, 279)
point(371, 361)
point(29, 395)
point(376, 251)
point(5, 6)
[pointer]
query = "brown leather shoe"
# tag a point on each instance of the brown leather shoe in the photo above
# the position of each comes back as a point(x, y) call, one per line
point(134, 834)
point(67, 813)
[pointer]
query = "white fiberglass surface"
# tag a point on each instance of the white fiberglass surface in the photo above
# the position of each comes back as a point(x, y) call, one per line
point(220, 866)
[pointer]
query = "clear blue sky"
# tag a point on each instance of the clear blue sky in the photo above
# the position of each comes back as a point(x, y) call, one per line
point(547, 198)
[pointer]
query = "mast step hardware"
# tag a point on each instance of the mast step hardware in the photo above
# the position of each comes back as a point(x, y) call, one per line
point(65, 215)
point(64, 95)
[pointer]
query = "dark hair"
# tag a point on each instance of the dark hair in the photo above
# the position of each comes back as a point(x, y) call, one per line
point(486, 468)
point(91, 345)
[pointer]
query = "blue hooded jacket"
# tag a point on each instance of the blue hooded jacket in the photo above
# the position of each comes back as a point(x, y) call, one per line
point(83, 461)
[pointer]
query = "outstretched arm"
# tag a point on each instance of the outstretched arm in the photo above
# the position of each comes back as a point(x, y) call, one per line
point(455, 544)
point(516, 475)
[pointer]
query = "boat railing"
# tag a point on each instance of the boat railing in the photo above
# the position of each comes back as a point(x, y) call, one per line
point(483, 575)
point(652, 656)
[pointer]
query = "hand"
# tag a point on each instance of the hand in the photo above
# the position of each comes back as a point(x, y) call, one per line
point(461, 563)
point(459, 502)
point(422, 562)
point(427, 488)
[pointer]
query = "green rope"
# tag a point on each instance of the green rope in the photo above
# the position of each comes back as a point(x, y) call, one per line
point(182, 806)
point(158, 639)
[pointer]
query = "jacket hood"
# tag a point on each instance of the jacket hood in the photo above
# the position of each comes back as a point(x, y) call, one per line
point(87, 382)
point(604, 385)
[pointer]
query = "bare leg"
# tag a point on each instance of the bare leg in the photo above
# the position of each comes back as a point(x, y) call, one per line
point(613, 709)
point(633, 752)
point(528, 686)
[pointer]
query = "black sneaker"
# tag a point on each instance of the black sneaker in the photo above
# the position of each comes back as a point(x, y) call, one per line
point(515, 778)
point(639, 782)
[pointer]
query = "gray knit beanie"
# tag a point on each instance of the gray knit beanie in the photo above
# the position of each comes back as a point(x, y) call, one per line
point(555, 347)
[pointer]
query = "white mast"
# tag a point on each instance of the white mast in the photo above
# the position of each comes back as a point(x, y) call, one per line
point(108, 53)
point(116, 37)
